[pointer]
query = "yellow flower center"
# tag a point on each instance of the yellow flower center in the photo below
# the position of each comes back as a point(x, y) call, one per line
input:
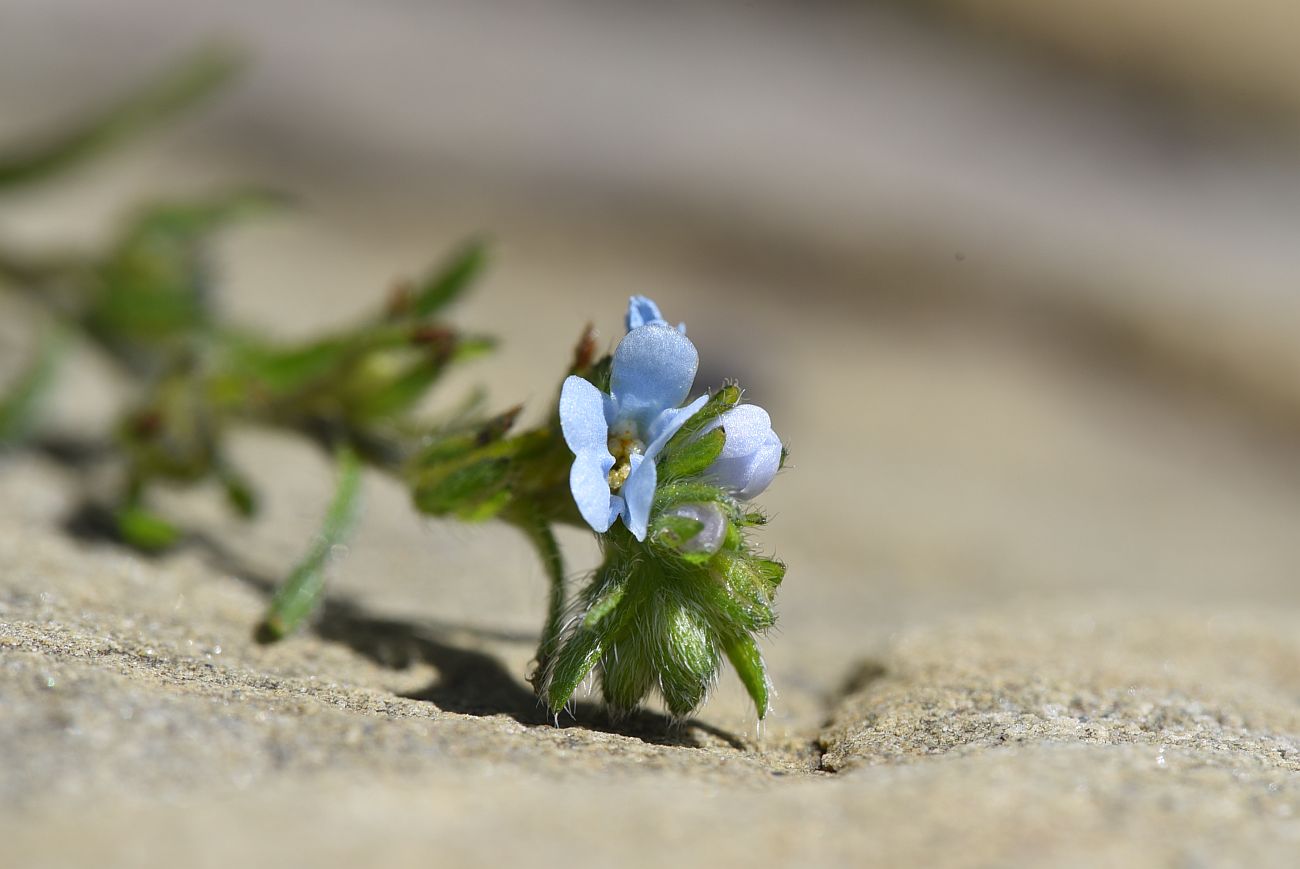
point(623, 444)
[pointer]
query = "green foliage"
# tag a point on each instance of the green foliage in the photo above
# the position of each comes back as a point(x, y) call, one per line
point(144, 529)
point(157, 101)
point(677, 612)
point(300, 594)
point(21, 403)
point(449, 282)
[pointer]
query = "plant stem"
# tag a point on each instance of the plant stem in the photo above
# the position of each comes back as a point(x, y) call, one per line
point(548, 548)
point(300, 594)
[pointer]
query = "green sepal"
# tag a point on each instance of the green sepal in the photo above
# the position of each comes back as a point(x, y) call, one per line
point(627, 675)
point(747, 589)
point(577, 657)
point(690, 664)
point(582, 650)
point(772, 571)
point(719, 403)
point(684, 492)
point(691, 457)
point(742, 651)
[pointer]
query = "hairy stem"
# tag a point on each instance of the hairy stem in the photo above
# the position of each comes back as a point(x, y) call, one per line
point(543, 539)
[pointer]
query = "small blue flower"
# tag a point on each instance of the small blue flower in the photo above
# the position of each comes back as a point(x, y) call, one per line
point(616, 438)
point(751, 454)
point(642, 311)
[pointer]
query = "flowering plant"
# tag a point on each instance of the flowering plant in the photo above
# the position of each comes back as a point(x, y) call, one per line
point(665, 483)
point(680, 585)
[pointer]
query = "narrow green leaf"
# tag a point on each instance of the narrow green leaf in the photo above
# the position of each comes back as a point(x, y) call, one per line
point(450, 280)
point(627, 675)
point(302, 591)
point(239, 493)
point(577, 657)
point(745, 657)
point(166, 96)
point(145, 530)
point(21, 404)
point(455, 489)
point(687, 670)
point(399, 394)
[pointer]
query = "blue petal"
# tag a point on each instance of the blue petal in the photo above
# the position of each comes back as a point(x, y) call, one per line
point(641, 310)
point(762, 468)
point(582, 416)
point(639, 494)
point(589, 482)
point(667, 423)
point(654, 367)
point(751, 455)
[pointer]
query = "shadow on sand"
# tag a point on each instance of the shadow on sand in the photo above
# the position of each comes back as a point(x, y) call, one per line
point(470, 681)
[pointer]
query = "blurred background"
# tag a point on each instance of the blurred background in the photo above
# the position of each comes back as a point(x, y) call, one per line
point(1018, 282)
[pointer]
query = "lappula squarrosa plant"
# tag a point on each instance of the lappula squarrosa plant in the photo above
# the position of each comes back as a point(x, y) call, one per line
point(666, 486)
point(664, 483)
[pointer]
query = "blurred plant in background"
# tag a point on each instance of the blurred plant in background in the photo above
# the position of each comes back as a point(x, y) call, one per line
point(680, 586)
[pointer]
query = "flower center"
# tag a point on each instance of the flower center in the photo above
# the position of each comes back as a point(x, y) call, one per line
point(623, 444)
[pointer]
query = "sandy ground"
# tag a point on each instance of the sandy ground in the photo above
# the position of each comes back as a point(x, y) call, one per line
point(1041, 521)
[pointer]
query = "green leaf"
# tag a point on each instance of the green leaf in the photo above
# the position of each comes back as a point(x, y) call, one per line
point(577, 657)
point(145, 530)
point(747, 590)
point(582, 650)
point(744, 656)
point(239, 494)
point(461, 488)
point(156, 279)
point(21, 404)
point(166, 96)
point(692, 457)
point(400, 393)
point(301, 592)
point(450, 280)
point(281, 371)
